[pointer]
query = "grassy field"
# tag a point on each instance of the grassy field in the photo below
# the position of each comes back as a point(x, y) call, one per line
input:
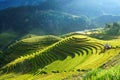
point(52, 58)
point(108, 74)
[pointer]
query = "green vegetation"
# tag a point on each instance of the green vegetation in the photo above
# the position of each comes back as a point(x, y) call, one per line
point(35, 21)
point(6, 38)
point(45, 57)
point(99, 74)
point(113, 29)
point(76, 55)
point(1, 53)
point(73, 43)
point(112, 62)
point(27, 45)
point(30, 51)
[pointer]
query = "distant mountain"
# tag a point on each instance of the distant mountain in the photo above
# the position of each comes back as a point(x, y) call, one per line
point(104, 19)
point(16, 3)
point(31, 19)
point(90, 8)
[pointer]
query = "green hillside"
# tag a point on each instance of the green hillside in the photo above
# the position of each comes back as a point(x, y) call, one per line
point(31, 19)
point(59, 40)
point(69, 56)
point(6, 38)
point(28, 45)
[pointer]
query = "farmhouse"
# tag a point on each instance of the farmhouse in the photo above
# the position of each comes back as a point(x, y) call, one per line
point(107, 46)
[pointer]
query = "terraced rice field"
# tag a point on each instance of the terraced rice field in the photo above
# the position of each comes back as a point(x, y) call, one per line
point(69, 55)
point(28, 46)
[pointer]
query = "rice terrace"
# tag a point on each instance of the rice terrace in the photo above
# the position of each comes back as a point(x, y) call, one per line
point(59, 40)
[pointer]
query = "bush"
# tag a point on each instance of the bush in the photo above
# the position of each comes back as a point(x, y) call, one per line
point(1, 57)
point(1, 52)
point(43, 72)
point(55, 71)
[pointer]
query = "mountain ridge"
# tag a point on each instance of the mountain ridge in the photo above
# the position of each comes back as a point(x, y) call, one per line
point(26, 19)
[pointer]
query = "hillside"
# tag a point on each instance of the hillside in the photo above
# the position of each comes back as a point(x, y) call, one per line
point(6, 39)
point(43, 19)
point(16, 3)
point(59, 40)
point(28, 45)
point(88, 8)
point(109, 32)
point(30, 19)
point(82, 7)
point(105, 19)
point(69, 56)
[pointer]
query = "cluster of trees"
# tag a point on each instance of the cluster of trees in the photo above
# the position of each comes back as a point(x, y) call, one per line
point(112, 29)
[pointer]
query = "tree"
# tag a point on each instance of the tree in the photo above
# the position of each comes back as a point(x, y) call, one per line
point(113, 29)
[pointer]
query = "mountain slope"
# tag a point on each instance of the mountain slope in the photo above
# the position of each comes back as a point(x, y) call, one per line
point(30, 19)
point(15, 3)
point(68, 56)
point(81, 7)
point(83, 47)
point(84, 7)
point(105, 19)
point(27, 45)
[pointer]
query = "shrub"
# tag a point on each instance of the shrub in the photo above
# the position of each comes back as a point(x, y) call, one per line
point(1, 52)
point(43, 72)
point(55, 71)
